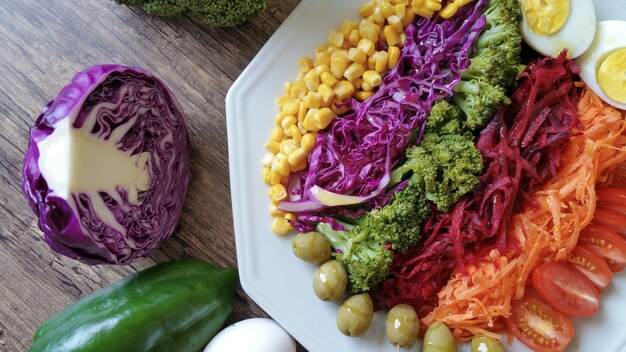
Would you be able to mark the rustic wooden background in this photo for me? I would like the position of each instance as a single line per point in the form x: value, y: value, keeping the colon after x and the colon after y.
x: 42, y: 44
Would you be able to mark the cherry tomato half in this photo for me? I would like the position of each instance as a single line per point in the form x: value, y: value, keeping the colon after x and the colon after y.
x: 607, y: 244
x: 591, y: 265
x: 610, y: 218
x: 566, y: 289
x: 613, y: 198
x: 539, y: 326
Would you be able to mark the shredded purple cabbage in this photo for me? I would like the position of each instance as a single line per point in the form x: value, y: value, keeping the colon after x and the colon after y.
x: 359, y: 149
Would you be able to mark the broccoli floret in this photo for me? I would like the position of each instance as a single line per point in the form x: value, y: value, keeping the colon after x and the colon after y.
x: 399, y: 222
x: 478, y: 100
x: 367, y: 247
x: 445, y: 167
x: 222, y: 13
x: 445, y: 118
x: 367, y: 261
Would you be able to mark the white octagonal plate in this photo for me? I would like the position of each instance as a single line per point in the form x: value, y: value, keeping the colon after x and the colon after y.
x: 273, y: 277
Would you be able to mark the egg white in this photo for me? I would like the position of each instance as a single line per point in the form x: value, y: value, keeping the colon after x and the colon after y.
x: 609, y: 37
x: 576, y: 35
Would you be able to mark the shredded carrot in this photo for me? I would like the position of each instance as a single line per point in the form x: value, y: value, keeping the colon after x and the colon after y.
x: 475, y: 301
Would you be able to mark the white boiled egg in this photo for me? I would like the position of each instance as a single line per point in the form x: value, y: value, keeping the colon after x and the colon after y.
x: 603, y: 65
x: 549, y: 26
x: 252, y: 335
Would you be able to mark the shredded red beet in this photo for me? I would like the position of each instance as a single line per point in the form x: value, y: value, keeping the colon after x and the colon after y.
x: 521, y: 147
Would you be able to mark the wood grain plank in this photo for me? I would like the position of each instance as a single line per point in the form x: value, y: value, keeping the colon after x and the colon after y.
x: 43, y: 44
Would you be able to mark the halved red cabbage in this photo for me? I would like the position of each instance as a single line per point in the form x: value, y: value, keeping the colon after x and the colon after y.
x: 110, y: 123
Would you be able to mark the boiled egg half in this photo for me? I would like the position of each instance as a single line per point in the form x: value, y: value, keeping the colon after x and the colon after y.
x: 603, y: 65
x: 549, y: 26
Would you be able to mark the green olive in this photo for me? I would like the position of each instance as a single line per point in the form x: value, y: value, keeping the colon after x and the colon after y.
x: 312, y: 247
x: 486, y: 344
x: 402, y: 326
x: 355, y: 315
x: 330, y: 280
x: 438, y: 338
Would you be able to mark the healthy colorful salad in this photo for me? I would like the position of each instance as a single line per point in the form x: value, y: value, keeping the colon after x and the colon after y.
x: 460, y: 164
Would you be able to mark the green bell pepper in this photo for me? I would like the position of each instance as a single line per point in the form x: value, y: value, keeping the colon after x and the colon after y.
x: 174, y: 306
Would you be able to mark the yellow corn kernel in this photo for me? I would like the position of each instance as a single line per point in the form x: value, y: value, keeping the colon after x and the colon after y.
x: 272, y: 147
x: 386, y: 9
x: 287, y: 87
x: 396, y: 22
x: 346, y: 28
x: 409, y: 16
x: 366, y: 87
x: 309, y: 120
x: 275, y: 178
x: 277, y: 134
x: 367, y: 46
x: 290, y: 108
x: 278, y: 119
x: 322, y: 58
x: 296, y: 136
x: 298, y: 90
x: 368, y: 30
x: 288, y: 145
x: 377, y: 16
x: 382, y: 61
x: 326, y: 93
x: 337, y: 39
x: 399, y: 10
x: 290, y: 216
x: 282, y: 100
x: 299, y: 76
x: 282, y: 165
x: 339, y: 53
x: 321, y: 69
x: 422, y: 11
x: 297, y: 156
x: 449, y: 10
x: 354, y: 71
x: 299, y: 167
x: 356, y: 83
x: 313, y: 100
x: 302, y: 111
x: 343, y: 90
x: 328, y: 78
x: 372, y: 78
x: 366, y: 9
x: 371, y: 63
x: 308, y: 141
x: 402, y: 40
x: 274, y: 210
x: 362, y: 95
x: 288, y: 121
x: 311, y: 80
x: 338, y: 66
x: 323, y: 118
x: 432, y: 5
x: 267, y: 159
x: 354, y: 37
x: 462, y: 2
x: 337, y: 107
x: 305, y: 64
x: 320, y: 48
x: 301, y: 127
x: 357, y: 55
x: 280, y: 225
x: 267, y: 173
x: 391, y: 36
x: 277, y: 193
x: 394, y: 55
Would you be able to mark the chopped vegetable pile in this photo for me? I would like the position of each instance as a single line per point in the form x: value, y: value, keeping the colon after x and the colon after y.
x: 458, y: 180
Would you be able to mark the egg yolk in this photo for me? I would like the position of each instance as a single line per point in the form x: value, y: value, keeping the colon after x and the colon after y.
x: 545, y: 17
x: 612, y: 76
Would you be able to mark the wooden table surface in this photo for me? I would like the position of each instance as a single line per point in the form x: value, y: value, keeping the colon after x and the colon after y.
x: 42, y: 45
